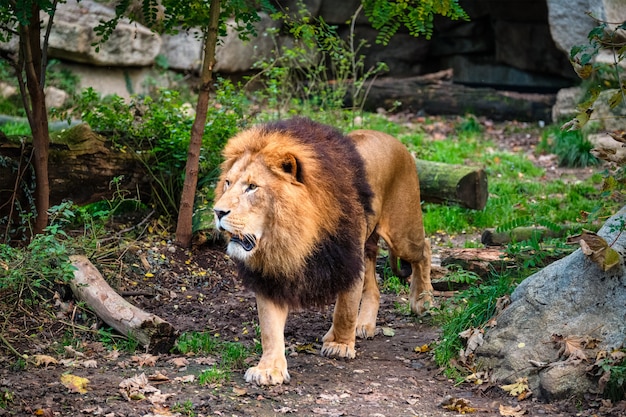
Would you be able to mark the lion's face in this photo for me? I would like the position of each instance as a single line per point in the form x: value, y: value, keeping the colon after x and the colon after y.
x: 241, y: 212
x: 274, y: 201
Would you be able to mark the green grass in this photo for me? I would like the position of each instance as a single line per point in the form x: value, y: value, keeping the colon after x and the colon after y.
x: 15, y: 129
x: 230, y: 355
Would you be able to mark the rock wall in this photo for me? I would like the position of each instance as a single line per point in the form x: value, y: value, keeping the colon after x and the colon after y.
x: 511, y: 44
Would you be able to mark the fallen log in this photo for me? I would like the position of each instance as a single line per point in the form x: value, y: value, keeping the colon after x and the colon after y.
x: 88, y: 285
x: 491, y: 237
x: 459, y: 184
x: 436, y: 94
x: 480, y: 261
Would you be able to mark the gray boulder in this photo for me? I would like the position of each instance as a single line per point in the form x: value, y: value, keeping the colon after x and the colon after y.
x: 72, y: 36
x: 571, y: 297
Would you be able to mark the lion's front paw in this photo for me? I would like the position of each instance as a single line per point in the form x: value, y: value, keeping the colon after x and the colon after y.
x: 338, y: 350
x: 267, y: 376
x: 422, y: 303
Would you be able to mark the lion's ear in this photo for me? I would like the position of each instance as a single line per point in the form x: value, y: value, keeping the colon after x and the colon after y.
x: 289, y: 165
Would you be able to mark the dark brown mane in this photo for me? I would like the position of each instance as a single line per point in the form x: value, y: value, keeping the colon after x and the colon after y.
x: 337, y: 259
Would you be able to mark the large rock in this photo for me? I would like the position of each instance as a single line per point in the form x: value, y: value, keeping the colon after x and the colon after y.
x: 183, y: 50
x: 569, y: 23
x: 235, y: 55
x: 72, y: 36
x: 571, y: 297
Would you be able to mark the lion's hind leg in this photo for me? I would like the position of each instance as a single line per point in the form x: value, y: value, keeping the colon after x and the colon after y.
x: 421, y: 290
x: 370, y: 300
x: 411, y: 246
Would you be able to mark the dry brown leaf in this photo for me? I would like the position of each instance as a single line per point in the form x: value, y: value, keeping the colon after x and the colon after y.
x: 618, y: 135
x: 179, y: 362
x: 597, y: 249
x: 145, y: 359
x: 474, y: 340
x: 519, y: 387
x: 71, y: 352
x: 44, y: 360
x: 460, y: 405
x: 158, y: 377
x: 75, y: 383
x: 516, y: 411
x: 159, y: 397
x: 185, y: 379
x: 206, y: 361
x: 91, y: 363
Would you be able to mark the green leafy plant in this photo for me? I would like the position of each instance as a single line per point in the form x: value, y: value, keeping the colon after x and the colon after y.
x: 320, y: 71
x: 15, y: 128
x: 232, y: 355
x: 214, y: 375
x: 157, y: 130
x: 114, y: 341
x: 197, y: 342
x: 6, y: 399
x: 34, y: 271
x: 185, y: 408
x: 572, y: 148
x: 599, y: 75
x: 471, y: 308
x: 416, y: 15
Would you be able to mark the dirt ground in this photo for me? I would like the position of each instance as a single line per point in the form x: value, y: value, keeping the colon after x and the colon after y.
x: 388, y: 377
x: 197, y: 290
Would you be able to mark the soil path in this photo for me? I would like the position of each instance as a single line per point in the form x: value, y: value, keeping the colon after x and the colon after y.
x: 388, y: 377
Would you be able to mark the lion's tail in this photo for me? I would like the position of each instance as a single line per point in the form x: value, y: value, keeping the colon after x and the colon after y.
x: 402, y: 268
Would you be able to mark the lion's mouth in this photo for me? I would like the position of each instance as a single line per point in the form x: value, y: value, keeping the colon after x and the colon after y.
x: 247, y: 242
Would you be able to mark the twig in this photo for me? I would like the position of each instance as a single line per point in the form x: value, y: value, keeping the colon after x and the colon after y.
x: 10, y: 346
x: 128, y: 229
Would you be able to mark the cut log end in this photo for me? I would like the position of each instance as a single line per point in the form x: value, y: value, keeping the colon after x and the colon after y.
x: 88, y: 285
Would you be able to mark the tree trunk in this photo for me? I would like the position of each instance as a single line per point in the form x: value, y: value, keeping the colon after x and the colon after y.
x: 436, y: 94
x: 150, y: 331
x: 185, y: 213
x: 459, y: 184
x: 31, y: 63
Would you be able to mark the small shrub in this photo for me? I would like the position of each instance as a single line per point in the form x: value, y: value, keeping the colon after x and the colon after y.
x: 571, y: 148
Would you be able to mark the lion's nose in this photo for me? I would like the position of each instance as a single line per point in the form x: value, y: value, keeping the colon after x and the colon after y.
x: 220, y: 213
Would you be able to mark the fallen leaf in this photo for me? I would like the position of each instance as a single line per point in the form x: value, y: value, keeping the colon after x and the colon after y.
x: 422, y: 349
x: 572, y: 347
x: 474, y: 340
x: 91, y: 363
x: 597, y: 249
x: 73, y: 352
x: 185, y: 379
x: 179, y: 362
x: 517, y: 388
x: 205, y: 361
x: 460, y: 405
x: 145, y: 359
x: 75, y: 383
x: 389, y: 332
x: 44, y: 360
x: 159, y: 397
x: 516, y: 411
x: 158, y: 377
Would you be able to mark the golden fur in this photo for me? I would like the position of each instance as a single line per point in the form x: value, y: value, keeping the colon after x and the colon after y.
x: 303, y: 207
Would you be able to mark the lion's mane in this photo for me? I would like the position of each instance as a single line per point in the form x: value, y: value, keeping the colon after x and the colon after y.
x: 312, y: 247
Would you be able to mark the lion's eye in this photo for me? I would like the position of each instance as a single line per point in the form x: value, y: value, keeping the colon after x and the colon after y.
x: 226, y: 184
x: 251, y: 187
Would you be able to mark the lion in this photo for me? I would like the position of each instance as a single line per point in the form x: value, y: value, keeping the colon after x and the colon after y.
x: 302, y: 207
